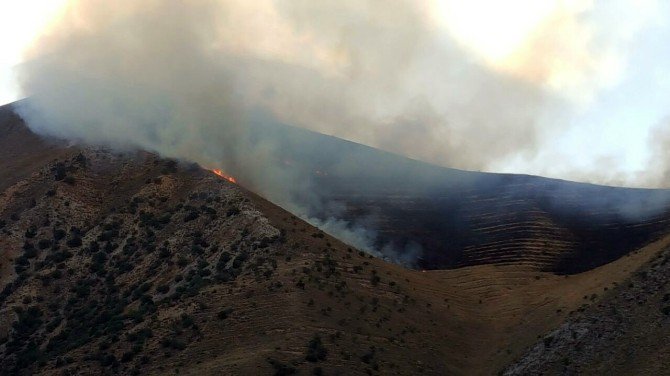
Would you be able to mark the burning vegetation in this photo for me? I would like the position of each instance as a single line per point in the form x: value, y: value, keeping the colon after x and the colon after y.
x: 224, y: 175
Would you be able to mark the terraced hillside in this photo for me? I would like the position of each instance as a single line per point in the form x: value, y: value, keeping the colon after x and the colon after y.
x: 461, y: 218
x: 517, y: 224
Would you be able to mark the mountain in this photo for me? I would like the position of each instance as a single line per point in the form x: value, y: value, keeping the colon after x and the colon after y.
x: 130, y: 263
x: 462, y: 218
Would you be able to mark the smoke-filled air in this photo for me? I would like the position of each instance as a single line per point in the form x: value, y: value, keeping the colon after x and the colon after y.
x: 423, y: 79
x: 204, y: 80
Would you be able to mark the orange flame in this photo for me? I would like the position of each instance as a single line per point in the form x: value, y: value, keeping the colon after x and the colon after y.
x: 223, y: 175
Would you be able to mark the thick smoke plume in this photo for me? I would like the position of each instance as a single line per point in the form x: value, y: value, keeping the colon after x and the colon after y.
x: 183, y: 77
x: 189, y: 79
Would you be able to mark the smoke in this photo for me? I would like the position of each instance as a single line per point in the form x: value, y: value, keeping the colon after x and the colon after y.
x: 182, y: 77
x: 189, y: 79
x: 659, y: 139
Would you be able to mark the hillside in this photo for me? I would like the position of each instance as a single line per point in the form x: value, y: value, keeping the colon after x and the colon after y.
x: 624, y: 334
x: 133, y: 264
x: 463, y: 218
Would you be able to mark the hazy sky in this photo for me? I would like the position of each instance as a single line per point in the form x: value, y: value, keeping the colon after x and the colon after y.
x: 20, y: 23
x: 605, y: 63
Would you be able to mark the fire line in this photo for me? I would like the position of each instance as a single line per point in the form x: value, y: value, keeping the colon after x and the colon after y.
x: 223, y: 175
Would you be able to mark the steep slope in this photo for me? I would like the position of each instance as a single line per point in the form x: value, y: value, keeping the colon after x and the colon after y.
x: 130, y: 263
x: 22, y: 151
x: 625, y: 333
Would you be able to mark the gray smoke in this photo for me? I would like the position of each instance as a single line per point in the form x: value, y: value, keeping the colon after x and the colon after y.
x: 187, y: 79
x: 659, y: 141
x: 183, y: 77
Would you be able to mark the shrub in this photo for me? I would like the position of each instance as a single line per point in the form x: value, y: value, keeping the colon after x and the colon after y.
x: 109, y: 360
x: 163, y: 289
x: 56, y: 274
x: 140, y: 336
x: 44, y: 244
x: 31, y: 232
x: 548, y: 341
x: 74, y: 242
x: 30, y: 252
x: 315, y: 350
x: 223, y: 260
x: 173, y: 343
x: 191, y: 216
x: 182, y: 261
x: 282, y: 369
x: 240, y: 259
x: 186, y: 321
x: 222, y: 315
x: 59, y: 171
x: 368, y: 356
x: 29, y: 321
x: 163, y: 252
x: 59, y: 234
